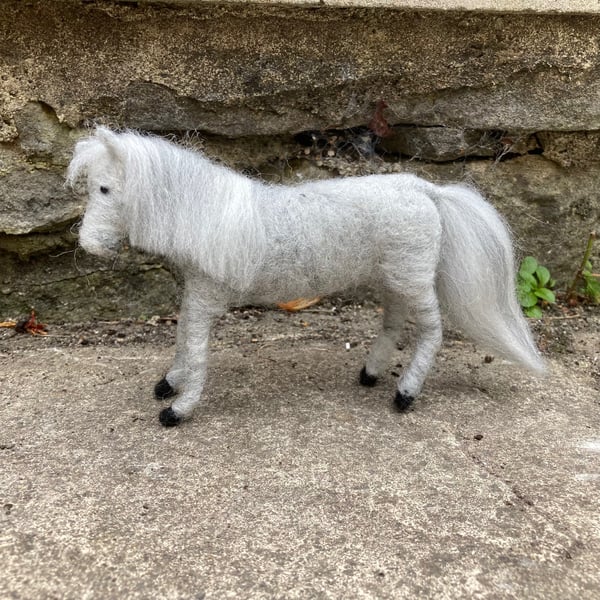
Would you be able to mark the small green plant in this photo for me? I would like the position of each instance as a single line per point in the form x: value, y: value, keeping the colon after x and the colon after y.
x: 533, y: 287
x: 591, y: 283
x: 585, y: 283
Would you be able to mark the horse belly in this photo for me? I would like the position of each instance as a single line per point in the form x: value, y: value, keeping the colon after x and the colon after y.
x: 319, y: 270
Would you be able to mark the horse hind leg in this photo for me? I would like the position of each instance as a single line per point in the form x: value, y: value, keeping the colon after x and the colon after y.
x: 425, y: 309
x: 394, y: 315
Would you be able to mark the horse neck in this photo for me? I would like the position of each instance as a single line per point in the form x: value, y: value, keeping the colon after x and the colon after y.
x: 166, y: 187
x: 202, y: 213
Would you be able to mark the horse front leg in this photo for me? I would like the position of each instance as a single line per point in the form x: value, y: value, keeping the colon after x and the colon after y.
x: 170, y: 384
x: 189, y: 369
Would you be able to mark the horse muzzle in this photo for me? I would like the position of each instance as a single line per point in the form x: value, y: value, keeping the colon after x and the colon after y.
x: 99, y: 245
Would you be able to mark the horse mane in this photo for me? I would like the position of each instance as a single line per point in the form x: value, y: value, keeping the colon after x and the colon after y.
x: 180, y: 205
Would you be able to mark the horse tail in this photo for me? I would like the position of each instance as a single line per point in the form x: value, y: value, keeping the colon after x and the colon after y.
x: 476, y: 276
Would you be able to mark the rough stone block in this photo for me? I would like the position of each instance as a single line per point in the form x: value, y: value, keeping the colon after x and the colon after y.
x: 245, y: 78
x: 571, y: 149
x: 33, y: 198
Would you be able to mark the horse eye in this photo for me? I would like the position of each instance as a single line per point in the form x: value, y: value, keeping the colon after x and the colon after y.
x: 104, y: 189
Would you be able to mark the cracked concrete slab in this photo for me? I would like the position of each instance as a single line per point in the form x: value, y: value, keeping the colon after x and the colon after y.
x: 292, y: 481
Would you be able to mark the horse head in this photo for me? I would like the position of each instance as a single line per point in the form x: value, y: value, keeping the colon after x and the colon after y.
x: 98, y: 160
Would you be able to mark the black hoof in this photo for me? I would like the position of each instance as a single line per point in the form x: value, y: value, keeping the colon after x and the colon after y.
x: 366, y: 379
x: 402, y: 402
x: 163, y: 389
x: 168, y: 418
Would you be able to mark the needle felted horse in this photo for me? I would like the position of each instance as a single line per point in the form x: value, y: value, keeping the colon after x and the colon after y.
x: 237, y: 241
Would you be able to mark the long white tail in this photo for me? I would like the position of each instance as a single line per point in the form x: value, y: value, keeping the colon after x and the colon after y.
x: 476, y: 276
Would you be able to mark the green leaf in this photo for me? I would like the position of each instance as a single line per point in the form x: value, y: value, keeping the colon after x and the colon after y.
x: 588, y: 265
x: 551, y: 283
x: 529, y: 279
x: 528, y: 265
x: 592, y: 289
x: 593, y: 283
x: 534, y: 312
x: 543, y: 275
x: 545, y: 294
x: 527, y: 299
x: 523, y: 289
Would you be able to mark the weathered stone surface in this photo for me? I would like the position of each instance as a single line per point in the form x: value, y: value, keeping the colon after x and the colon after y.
x: 442, y: 144
x: 550, y: 209
x: 571, y: 149
x: 41, y: 135
x: 437, y: 143
x: 244, y: 78
x: 32, y: 193
x: 248, y: 69
x: 69, y: 286
x: 33, y: 198
x: 525, y: 6
x: 35, y: 244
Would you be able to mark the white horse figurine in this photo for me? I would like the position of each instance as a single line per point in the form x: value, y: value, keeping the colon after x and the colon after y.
x: 239, y: 241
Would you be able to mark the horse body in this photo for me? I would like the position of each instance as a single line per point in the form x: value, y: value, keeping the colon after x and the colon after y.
x: 354, y: 244
x: 240, y: 241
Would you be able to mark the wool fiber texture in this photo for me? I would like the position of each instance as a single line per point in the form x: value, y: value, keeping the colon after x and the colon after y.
x: 421, y: 247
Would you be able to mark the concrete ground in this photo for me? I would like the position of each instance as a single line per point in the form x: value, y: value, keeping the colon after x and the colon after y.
x: 292, y: 481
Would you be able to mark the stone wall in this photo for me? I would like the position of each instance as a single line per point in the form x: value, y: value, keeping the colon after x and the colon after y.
x: 507, y: 101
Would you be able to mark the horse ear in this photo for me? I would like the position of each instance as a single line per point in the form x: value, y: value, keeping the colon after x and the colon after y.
x: 110, y: 140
